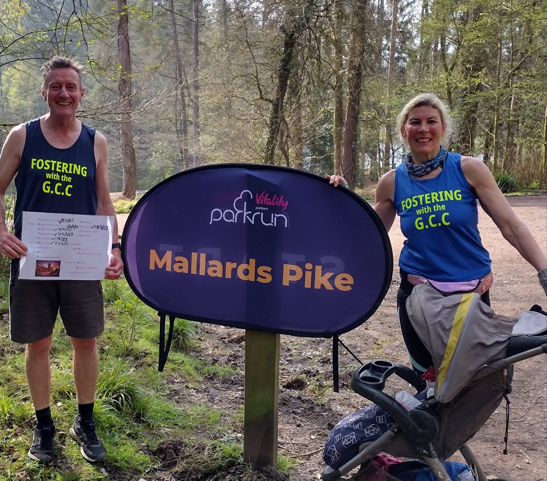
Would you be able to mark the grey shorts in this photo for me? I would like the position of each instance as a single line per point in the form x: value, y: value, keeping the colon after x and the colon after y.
x: 34, y: 306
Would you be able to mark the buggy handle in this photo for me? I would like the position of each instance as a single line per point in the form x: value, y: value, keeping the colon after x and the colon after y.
x: 369, y: 381
x: 503, y: 363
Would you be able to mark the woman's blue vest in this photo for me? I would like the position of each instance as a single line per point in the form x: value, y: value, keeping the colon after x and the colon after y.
x: 439, y: 219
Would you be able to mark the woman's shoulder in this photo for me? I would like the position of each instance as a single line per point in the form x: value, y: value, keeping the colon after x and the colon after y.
x: 386, y: 185
x: 388, y: 178
x: 476, y: 172
x: 472, y: 164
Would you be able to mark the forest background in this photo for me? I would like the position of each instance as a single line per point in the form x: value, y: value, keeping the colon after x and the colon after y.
x: 309, y: 84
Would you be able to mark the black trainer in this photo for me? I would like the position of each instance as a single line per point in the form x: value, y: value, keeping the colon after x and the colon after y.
x: 42, y: 444
x: 91, y: 446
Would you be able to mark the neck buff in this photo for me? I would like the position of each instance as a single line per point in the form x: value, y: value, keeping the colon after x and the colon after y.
x: 427, y: 167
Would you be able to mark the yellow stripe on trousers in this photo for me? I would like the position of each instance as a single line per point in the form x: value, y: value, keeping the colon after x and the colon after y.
x: 452, y: 343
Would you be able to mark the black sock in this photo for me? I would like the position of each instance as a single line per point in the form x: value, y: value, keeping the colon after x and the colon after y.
x: 44, y: 417
x: 86, y: 412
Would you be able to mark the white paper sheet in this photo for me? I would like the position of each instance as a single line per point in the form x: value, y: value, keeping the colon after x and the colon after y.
x: 65, y: 246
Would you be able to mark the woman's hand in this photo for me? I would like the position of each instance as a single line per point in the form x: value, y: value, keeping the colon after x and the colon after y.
x: 337, y: 179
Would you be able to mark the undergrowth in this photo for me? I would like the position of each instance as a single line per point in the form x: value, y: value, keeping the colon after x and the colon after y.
x: 134, y: 411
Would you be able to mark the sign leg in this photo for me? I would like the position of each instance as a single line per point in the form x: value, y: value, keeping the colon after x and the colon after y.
x: 261, y: 398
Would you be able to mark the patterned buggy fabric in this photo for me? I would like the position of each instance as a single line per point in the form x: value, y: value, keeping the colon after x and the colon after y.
x: 363, y: 426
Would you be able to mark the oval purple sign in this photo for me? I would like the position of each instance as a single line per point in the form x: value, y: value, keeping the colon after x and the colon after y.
x: 258, y: 247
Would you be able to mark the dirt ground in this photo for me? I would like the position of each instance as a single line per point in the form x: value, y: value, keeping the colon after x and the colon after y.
x: 308, y: 408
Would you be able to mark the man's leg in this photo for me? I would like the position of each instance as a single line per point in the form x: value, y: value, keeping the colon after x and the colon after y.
x: 38, y: 372
x: 86, y: 371
x: 85, y: 368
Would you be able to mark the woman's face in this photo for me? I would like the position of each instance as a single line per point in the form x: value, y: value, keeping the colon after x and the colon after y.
x: 423, y: 131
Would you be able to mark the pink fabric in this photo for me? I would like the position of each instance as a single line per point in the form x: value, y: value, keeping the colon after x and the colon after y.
x: 480, y: 286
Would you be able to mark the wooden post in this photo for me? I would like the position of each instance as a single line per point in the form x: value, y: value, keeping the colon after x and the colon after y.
x: 261, y: 398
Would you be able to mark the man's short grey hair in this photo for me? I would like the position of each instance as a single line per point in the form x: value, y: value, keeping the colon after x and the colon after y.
x: 62, y: 62
x: 426, y: 100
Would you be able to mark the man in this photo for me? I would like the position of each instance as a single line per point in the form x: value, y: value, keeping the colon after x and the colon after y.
x: 59, y: 137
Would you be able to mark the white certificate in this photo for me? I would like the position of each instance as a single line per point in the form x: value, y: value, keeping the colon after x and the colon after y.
x: 65, y: 246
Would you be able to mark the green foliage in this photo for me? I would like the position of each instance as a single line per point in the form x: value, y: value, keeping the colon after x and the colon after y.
x: 114, y: 290
x: 319, y: 155
x: 129, y: 316
x: 183, y: 335
x: 114, y: 386
x: 285, y: 464
x: 4, y: 295
x: 506, y: 182
x: 12, y: 410
x: 159, y: 166
x: 535, y: 185
x: 4, y: 260
x: 21, y: 92
x: 124, y: 206
x: 5, y: 263
x: 221, y: 372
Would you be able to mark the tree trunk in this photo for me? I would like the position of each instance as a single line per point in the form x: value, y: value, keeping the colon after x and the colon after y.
x: 227, y: 53
x: 392, y: 47
x: 355, y: 77
x: 129, y: 163
x: 509, y: 162
x: 425, y: 43
x: 196, y: 151
x: 544, y: 150
x: 374, y: 173
x: 495, y: 134
x: 338, y: 97
x: 296, y: 139
x: 183, y: 136
x: 292, y: 28
x: 390, y: 82
x: 495, y: 130
x: 473, y: 55
x: 487, y: 148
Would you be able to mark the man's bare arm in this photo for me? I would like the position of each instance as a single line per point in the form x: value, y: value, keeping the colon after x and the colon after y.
x: 10, y: 159
x: 105, y: 205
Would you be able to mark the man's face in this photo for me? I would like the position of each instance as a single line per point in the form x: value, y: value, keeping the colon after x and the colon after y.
x: 63, y: 91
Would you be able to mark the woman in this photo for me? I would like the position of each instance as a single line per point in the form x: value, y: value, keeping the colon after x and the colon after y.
x: 435, y: 193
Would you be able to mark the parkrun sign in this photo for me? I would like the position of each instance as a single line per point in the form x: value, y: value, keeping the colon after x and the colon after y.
x: 258, y: 247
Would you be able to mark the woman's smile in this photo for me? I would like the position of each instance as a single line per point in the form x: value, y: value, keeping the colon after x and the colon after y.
x: 423, y: 131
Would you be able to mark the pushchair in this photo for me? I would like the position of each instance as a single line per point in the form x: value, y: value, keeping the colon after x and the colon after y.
x: 432, y: 431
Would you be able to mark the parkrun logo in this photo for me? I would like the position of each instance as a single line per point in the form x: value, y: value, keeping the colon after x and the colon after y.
x: 257, y: 212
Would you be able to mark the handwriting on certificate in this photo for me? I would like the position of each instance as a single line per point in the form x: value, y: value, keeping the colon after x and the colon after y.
x: 65, y: 246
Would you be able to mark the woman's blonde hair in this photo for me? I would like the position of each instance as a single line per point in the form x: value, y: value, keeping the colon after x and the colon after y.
x: 426, y: 100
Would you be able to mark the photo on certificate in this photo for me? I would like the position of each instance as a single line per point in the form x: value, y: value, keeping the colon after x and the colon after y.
x: 47, y: 268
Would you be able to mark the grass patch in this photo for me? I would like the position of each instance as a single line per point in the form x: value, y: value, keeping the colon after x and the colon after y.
x: 215, y: 461
x: 133, y: 409
x: 4, y: 294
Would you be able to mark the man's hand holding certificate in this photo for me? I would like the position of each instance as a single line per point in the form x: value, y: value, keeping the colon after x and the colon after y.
x: 65, y: 246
